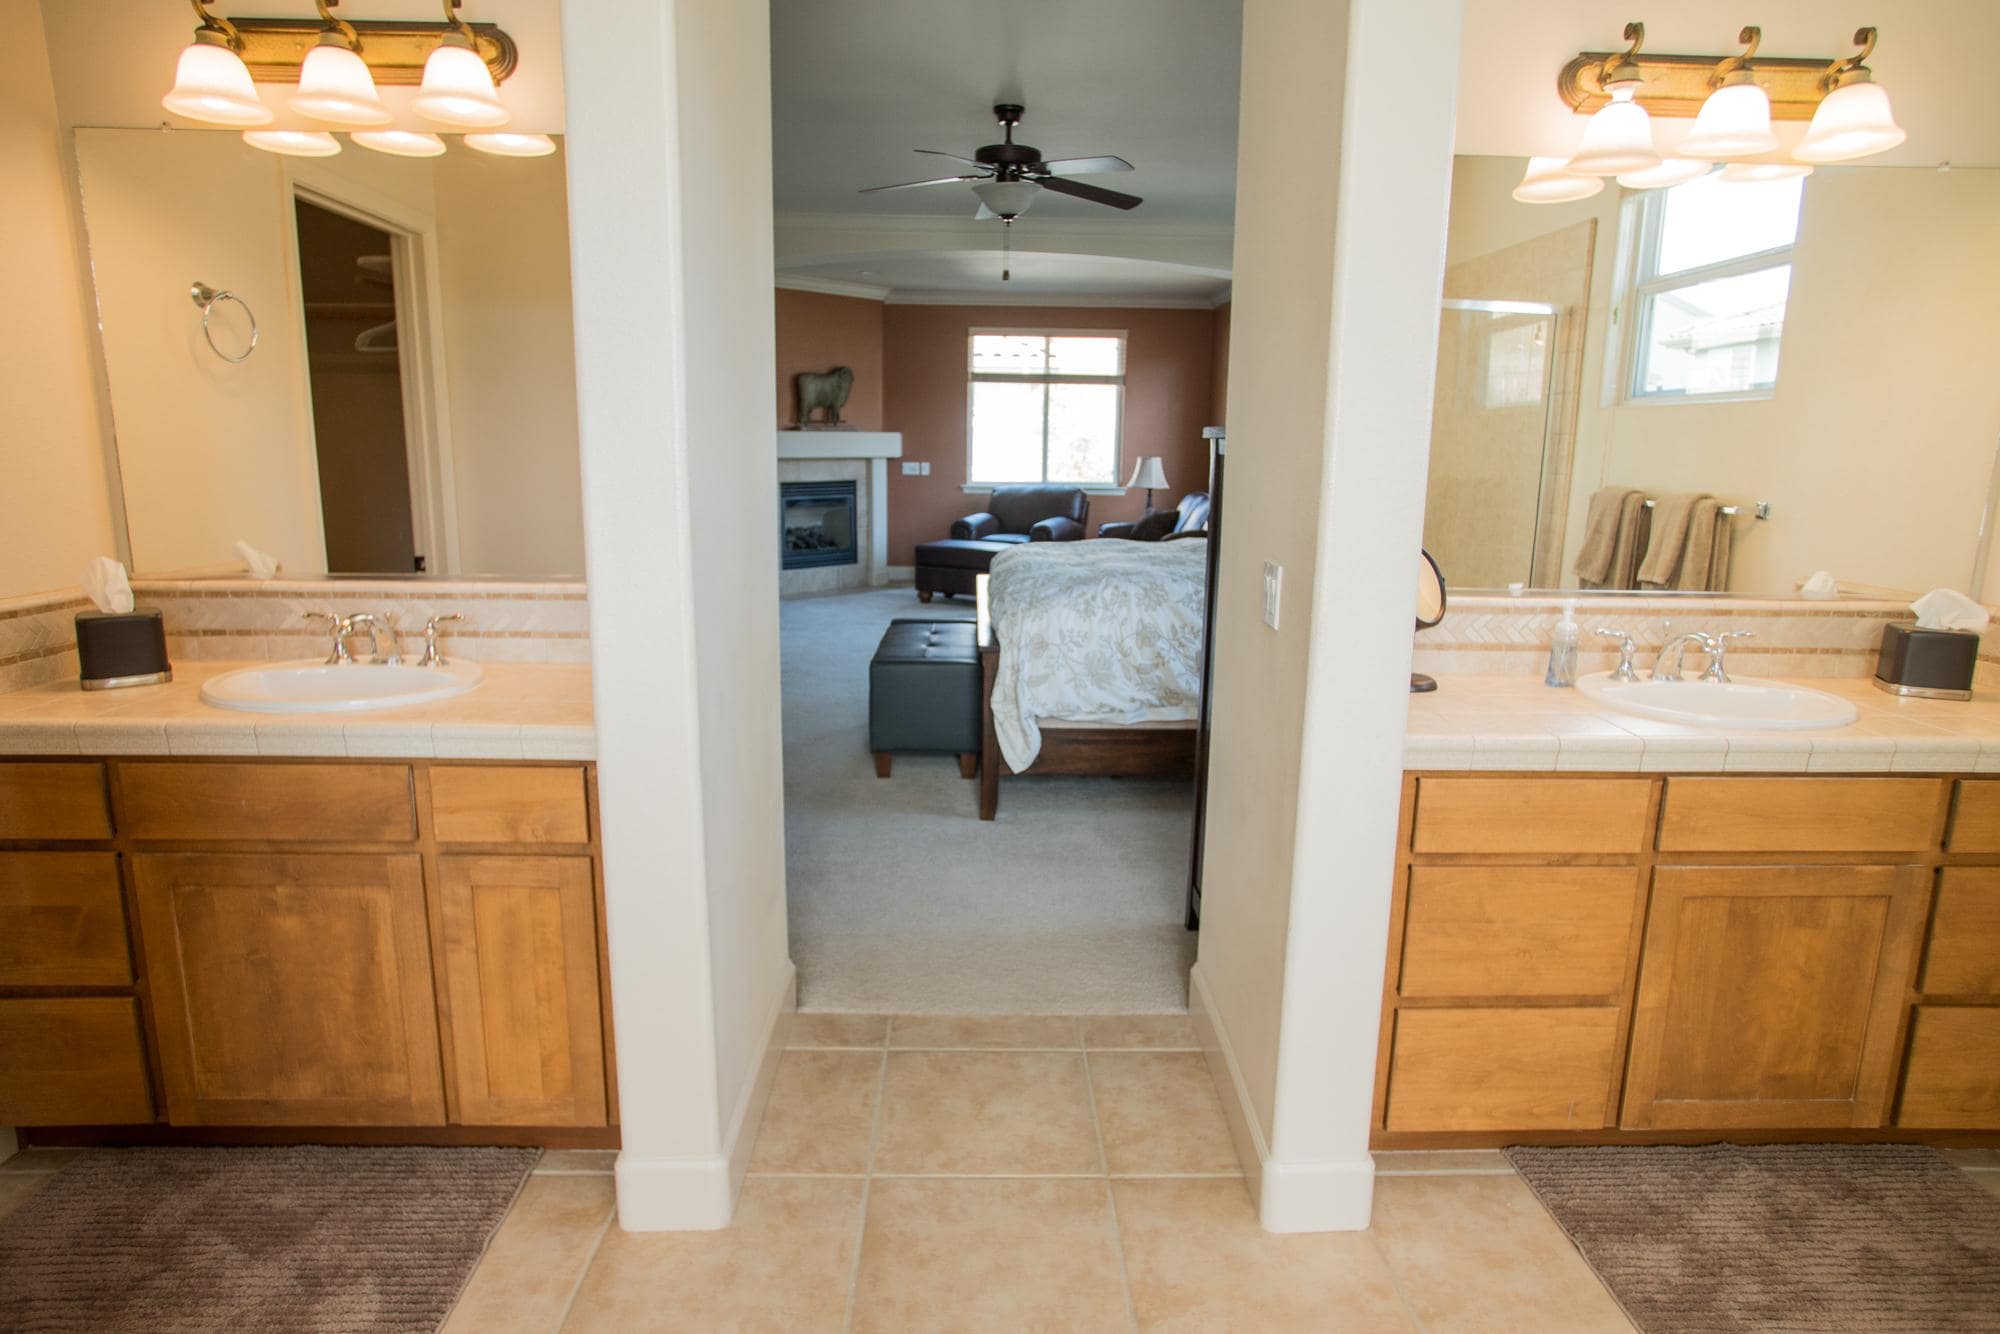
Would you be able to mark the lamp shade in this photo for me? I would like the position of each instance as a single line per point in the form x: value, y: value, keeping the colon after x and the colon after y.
x: 505, y: 144
x: 1009, y: 199
x: 1549, y: 181
x: 336, y: 87
x: 1149, y: 474
x: 211, y: 83
x: 1852, y: 121
x: 1735, y: 121
x: 1618, y: 138
x: 1671, y: 171
x: 458, y: 90
x: 293, y: 143
x: 400, y: 143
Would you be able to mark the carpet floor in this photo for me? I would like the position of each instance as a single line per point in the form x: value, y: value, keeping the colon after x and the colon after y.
x: 1781, y: 1237
x: 903, y: 901
x: 311, y: 1239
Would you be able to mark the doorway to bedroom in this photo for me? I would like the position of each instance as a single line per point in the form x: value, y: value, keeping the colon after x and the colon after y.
x: 1004, y: 352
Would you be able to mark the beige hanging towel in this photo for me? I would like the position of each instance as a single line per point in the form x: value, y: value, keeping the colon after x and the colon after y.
x: 1668, y: 547
x: 1614, y: 533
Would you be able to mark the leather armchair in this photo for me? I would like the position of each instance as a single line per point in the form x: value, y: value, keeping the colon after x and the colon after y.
x: 1056, y: 530
x: 1018, y: 513
x: 1190, y: 517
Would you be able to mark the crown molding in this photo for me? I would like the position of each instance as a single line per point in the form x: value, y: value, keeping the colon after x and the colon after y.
x: 802, y: 282
x: 1052, y: 300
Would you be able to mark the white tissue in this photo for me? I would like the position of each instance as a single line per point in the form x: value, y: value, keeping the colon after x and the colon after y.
x: 260, y: 564
x: 1942, y: 609
x: 104, y: 580
x: 1820, y: 587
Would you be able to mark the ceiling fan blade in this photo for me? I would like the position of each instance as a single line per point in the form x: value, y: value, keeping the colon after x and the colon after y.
x: 984, y: 213
x: 1095, y: 194
x: 1079, y: 166
x: 911, y: 185
x: 970, y: 162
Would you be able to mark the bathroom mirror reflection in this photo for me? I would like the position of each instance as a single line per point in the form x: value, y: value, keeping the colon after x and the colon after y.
x: 409, y: 406
x: 1824, y: 347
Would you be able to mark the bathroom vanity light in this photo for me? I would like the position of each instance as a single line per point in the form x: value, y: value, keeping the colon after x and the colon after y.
x: 1619, y: 136
x: 334, y: 83
x: 1776, y: 170
x: 1854, y: 118
x: 507, y: 144
x: 211, y: 82
x: 458, y: 88
x: 1735, y: 120
x: 1671, y: 171
x: 293, y: 143
x: 1549, y: 181
x: 400, y: 143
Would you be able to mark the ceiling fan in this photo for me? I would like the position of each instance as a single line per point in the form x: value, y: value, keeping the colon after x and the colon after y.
x: 1009, y: 176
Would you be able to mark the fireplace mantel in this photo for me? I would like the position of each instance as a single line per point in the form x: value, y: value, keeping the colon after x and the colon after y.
x: 875, y: 448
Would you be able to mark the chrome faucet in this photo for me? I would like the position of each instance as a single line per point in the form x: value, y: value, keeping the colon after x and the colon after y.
x: 1715, y: 654
x: 381, y: 631
x: 1627, y: 646
x: 432, y: 658
x: 1667, y: 666
x: 341, y: 627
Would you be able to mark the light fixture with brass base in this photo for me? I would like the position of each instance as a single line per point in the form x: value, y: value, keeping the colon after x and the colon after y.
x: 274, y: 50
x: 1677, y: 85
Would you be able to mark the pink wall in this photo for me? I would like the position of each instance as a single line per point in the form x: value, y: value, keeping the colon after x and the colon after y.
x: 818, y: 332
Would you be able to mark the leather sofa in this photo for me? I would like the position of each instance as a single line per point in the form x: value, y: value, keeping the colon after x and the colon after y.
x: 1013, y: 514
x: 1190, y: 517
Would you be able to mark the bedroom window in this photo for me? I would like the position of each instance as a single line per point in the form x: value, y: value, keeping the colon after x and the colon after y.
x: 1714, y: 268
x: 1045, y: 407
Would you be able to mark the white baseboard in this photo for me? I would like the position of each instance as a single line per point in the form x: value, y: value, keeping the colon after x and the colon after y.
x: 1318, y: 1196
x: 896, y: 574
x: 698, y: 1194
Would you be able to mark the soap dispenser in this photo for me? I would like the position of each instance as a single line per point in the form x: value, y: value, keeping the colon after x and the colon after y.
x: 1562, y: 648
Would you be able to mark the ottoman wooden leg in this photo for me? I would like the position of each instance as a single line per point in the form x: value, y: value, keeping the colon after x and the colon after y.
x: 968, y: 766
x: 923, y: 595
x: 882, y: 762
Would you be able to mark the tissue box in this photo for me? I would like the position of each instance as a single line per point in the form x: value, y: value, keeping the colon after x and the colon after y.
x: 121, y: 648
x: 1933, y: 664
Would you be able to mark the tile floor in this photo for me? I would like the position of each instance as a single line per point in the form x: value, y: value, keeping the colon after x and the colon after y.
x: 1018, y: 1174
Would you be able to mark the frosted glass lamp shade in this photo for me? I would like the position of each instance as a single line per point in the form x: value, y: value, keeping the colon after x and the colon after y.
x: 1671, y: 171
x: 1009, y: 199
x: 1548, y: 181
x: 1618, y: 138
x: 1852, y: 121
x: 400, y: 143
x: 293, y: 143
x: 505, y: 144
x: 1764, y: 171
x: 1735, y: 121
x: 458, y: 90
x: 1149, y: 474
x: 336, y: 87
x: 212, y: 84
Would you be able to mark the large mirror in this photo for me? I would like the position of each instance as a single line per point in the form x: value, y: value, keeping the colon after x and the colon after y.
x: 1816, y: 355
x: 409, y: 404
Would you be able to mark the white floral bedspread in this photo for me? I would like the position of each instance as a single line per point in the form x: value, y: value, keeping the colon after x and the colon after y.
x: 1104, y: 631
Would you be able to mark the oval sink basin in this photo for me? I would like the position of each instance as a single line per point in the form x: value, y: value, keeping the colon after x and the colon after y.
x: 1745, y: 702
x: 318, y: 687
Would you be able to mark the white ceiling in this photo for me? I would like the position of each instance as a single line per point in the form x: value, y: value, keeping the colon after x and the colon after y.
x: 951, y: 276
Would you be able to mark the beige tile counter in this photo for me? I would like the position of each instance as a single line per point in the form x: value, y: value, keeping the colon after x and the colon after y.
x: 520, y: 711
x: 1516, y: 722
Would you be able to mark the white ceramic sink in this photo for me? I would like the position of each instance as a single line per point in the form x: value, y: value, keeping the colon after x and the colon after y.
x: 318, y: 687
x: 1743, y: 702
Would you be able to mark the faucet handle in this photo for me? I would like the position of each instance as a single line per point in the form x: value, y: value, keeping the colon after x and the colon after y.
x: 1718, y: 647
x: 432, y: 658
x: 1627, y: 646
x: 340, y: 627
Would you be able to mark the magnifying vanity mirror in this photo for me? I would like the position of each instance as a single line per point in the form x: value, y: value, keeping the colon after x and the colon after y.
x: 1430, y: 610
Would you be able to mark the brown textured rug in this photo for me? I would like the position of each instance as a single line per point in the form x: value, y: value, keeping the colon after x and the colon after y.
x: 328, y: 1240
x: 1791, y: 1237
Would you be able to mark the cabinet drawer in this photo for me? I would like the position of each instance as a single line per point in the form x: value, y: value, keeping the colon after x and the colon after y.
x: 1963, y: 957
x: 1525, y: 1069
x: 1485, y: 931
x: 362, y: 803
x: 508, y: 804
x: 53, y: 801
x: 1799, y: 814
x: 76, y: 1060
x: 62, y: 921
x: 1531, y: 815
x: 1975, y: 817
x: 1952, y: 1081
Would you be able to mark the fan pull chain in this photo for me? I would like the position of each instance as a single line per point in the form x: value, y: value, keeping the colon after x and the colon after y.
x: 1006, y: 249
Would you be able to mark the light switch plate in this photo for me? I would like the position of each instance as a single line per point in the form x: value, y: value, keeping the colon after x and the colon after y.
x: 1274, y: 586
x: 926, y: 467
x: 911, y: 468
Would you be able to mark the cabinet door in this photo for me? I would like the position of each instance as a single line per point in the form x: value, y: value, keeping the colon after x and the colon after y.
x: 291, y: 990
x: 519, y: 953
x: 1769, y: 996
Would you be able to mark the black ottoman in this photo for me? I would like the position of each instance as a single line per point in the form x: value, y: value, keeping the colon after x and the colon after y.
x: 923, y: 693
x: 954, y: 564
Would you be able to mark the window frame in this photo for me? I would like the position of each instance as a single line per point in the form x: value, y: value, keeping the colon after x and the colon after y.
x: 1112, y: 487
x: 1641, y: 282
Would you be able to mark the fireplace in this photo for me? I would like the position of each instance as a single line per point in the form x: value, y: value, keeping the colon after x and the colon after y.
x: 816, y: 524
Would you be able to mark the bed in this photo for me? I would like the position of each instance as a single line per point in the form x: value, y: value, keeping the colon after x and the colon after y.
x: 1091, y: 660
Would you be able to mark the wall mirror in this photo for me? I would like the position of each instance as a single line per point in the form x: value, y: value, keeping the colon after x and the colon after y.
x: 409, y: 406
x: 1824, y: 347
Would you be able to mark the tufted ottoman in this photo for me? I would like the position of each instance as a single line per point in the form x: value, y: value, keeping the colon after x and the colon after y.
x: 923, y: 693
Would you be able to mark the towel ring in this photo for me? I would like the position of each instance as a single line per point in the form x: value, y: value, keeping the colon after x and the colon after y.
x: 208, y: 298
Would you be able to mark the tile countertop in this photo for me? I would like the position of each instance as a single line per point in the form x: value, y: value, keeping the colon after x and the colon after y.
x: 520, y: 711
x: 1516, y: 722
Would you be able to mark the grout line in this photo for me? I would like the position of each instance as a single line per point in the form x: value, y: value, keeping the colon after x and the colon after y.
x: 583, y: 1270
x: 867, y: 1188
x: 1446, y: 1172
x: 1395, y: 1279
x: 1110, y: 1200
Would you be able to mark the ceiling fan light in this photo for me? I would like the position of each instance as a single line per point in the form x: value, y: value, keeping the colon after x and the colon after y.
x: 1009, y: 199
x: 211, y: 83
x: 1549, y: 181
x: 293, y: 143
x: 336, y: 87
x: 505, y: 144
x: 400, y: 143
x: 458, y: 89
x: 1671, y: 171
x: 1852, y: 121
x: 1734, y: 121
x: 1618, y: 138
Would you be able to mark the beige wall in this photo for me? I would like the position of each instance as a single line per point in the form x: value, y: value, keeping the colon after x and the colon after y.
x: 55, y: 502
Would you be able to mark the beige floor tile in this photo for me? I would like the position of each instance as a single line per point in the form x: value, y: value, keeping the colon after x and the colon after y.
x: 38, y: 1160
x: 989, y: 1255
x: 1479, y: 1253
x: 821, y: 1113
x: 578, y: 1160
x: 1990, y: 1180
x: 525, y: 1279
x: 837, y: 1030
x: 1972, y: 1157
x: 1160, y: 1113
x: 986, y: 1112
x: 1442, y: 1162
x: 17, y: 1187
x: 782, y: 1265
x: 983, y: 1031
x: 1173, y: 1032
x: 1198, y: 1260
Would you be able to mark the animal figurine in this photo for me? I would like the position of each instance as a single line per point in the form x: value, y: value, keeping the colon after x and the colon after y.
x: 823, y: 389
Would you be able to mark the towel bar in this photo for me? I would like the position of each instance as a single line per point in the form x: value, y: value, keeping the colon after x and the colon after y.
x: 1731, y: 510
